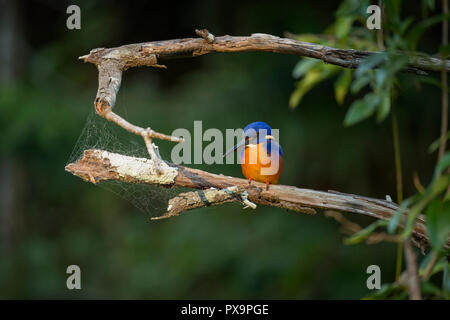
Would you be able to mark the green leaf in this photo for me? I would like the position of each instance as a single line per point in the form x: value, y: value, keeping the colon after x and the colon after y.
x: 432, y: 81
x: 387, y: 290
x: 392, y: 8
x: 438, y: 223
x: 435, y: 145
x: 303, y: 86
x: 414, y: 35
x: 445, y: 51
x: 312, y: 77
x: 303, y: 66
x: 437, y: 187
x: 404, y: 25
x: 395, y: 220
x: 352, y: 8
x: 308, y: 37
x: 370, y: 62
x: 360, y: 82
x: 365, y: 233
x: 445, y: 280
x: 385, y: 106
x: 438, y: 267
x: 442, y: 165
x: 429, y: 4
x: 430, y: 288
x: 342, y: 84
x: 394, y: 64
x: 361, y: 109
x: 343, y: 26
x: 380, y: 77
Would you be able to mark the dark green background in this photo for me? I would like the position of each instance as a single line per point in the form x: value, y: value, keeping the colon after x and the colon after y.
x: 50, y: 219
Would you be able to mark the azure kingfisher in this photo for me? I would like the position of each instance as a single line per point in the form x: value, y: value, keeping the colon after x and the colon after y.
x: 262, y: 157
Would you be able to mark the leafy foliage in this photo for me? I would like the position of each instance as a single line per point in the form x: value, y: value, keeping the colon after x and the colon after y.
x: 378, y: 75
x: 374, y: 85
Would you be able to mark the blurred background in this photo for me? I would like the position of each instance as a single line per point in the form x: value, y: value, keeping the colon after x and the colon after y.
x: 50, y: 219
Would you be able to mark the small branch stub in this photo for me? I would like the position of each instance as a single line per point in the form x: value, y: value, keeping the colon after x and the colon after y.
x: 205, y: 34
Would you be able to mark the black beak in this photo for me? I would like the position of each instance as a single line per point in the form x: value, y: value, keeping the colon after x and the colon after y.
x: 240, y: 144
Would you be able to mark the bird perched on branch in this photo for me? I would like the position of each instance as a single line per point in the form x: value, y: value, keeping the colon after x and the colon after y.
x: 261, y: 157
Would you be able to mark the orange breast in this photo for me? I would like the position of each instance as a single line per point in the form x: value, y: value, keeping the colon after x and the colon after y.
x: 258, y: 165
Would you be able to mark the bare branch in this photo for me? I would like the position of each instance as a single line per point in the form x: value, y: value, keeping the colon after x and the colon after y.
x: 109, y: 79
x: 98, y: 165
x: 112, y: 62
x: 412, y: 270
x: 205, y: 198
x: 148, y: 53
x: 430, y: 265
x: 350, y: 228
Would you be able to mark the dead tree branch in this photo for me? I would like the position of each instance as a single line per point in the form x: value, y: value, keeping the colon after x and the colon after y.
x: 350, y: 228
x: 99, y: 165
x: 149, y: 53
x: 205, y: 198
x: 112, y: 62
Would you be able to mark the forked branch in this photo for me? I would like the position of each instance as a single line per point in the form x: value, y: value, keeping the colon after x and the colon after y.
x: 100, y: 165
x: 112, y: 62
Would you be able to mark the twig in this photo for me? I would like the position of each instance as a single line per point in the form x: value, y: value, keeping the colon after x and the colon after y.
x: 429, y: 268
x: 416, y: 181
x: 204, y: 198
x: 347, y: 226
x: 350, y: 228
x: 397, y: 158
x: 247, y: 203
x: 413, y: 274
x: 102, y: 165
x: 112, y: 62
x: 445, y: 281
x: 109, y: 79
x: 148, y: 53
x: 398, y: 183
x: 444, y: 116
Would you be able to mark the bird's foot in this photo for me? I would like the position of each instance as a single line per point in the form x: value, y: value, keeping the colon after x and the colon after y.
x: 250, y: 181
x: 267, y: 185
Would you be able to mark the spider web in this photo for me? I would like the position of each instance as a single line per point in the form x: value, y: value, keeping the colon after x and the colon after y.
x: 99, y: 133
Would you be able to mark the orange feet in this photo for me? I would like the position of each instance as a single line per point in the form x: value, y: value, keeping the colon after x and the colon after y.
x: 267, y: 185
x: 250, y: 180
